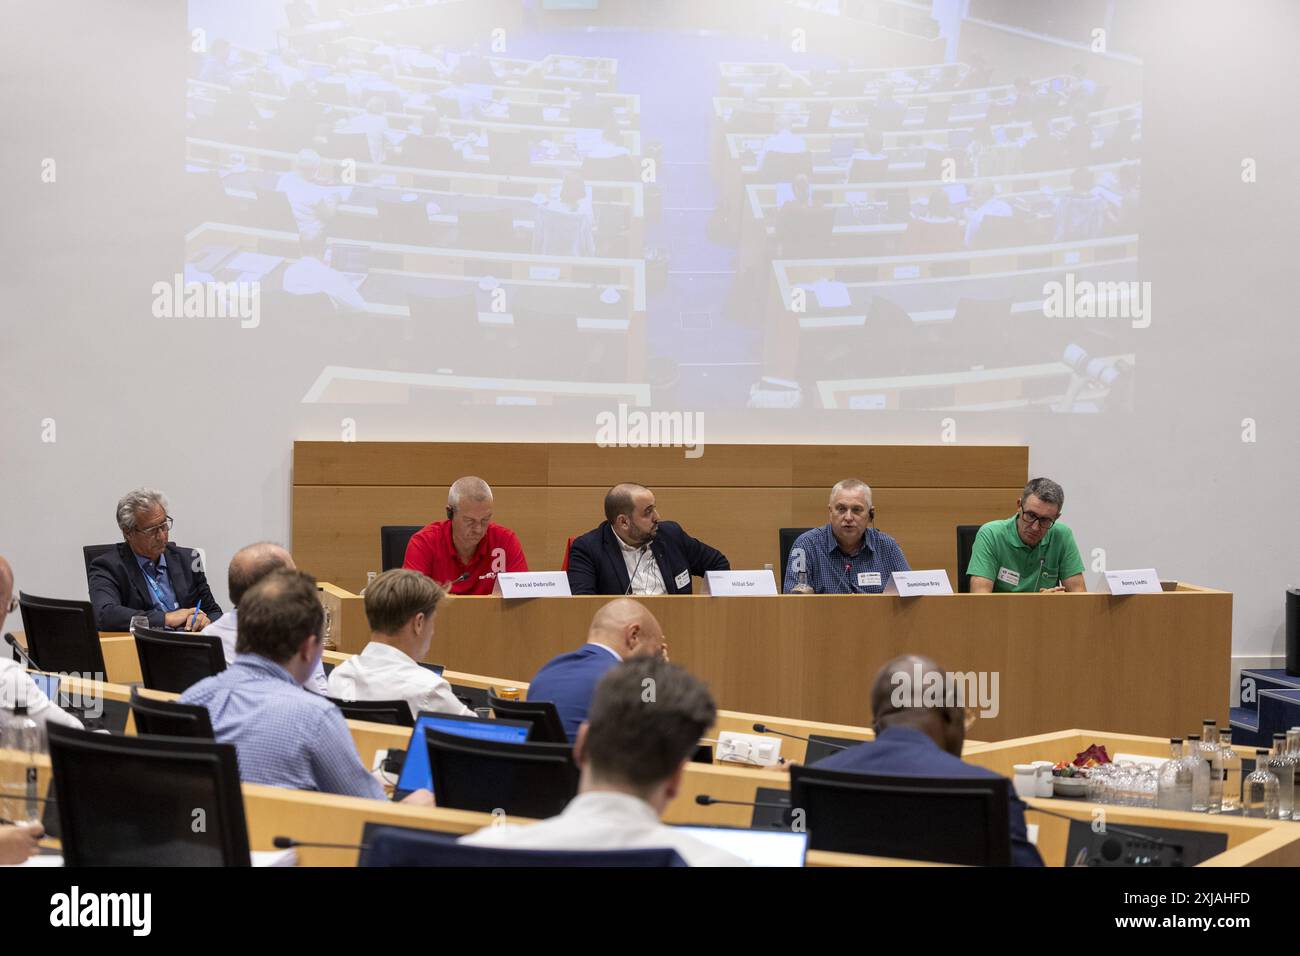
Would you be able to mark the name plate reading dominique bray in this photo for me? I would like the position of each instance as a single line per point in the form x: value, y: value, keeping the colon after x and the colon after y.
x: 1136, y: 581
x: 532, y: 584
x: 916, y: 583
x: 733, y: 583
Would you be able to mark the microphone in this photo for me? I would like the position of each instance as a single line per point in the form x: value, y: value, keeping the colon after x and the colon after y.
x: 463, y: 577
x: 705, y: 800
x: 764, y: 729
x: 13, y: 642
x: 289, y: 843
x: 632, y: 577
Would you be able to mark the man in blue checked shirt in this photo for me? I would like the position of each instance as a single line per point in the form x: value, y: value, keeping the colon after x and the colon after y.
x: 847, y: 555
x: 284, y: 735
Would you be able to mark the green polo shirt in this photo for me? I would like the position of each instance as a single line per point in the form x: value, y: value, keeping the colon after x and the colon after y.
x: 1012, y: 565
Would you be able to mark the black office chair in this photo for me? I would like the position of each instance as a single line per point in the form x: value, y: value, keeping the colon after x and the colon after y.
x: 393, y: 539
x: 90, y: 552
x: 786, y: 538
x: 136, y: 801
x: 965, y: 545
x: 547, y: 728
x: 522, y: 779
x: 377, y: 711
x: 405, y: 846
x: 167, y: 718
x: 174, y: 661
x: 62, y: 636
x: 959, y: 820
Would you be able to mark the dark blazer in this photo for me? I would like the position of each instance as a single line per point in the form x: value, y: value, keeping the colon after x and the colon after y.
x: 569, y: 681
x: 119, y: 592
x: 596, y: 563
x: 904, y: 752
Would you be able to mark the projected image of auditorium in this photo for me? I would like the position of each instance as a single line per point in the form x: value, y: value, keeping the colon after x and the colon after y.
x: 830, y: 206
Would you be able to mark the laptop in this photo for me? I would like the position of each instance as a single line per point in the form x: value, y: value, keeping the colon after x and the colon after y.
x: 416, y: 774
x: 755, y: 847
x: 110, y: 715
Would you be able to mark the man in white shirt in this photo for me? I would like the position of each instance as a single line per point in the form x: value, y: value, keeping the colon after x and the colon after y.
x: 784, y: 140
x: 247, y: 567
x: 632, y: 754
x: 16, y: 686
x: 311, y: 202
x: 400, y: 608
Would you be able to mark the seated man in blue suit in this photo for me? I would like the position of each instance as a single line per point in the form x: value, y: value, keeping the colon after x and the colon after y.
x: 918, y: 740
x: 633, y: 552
x: 146, y: 574
x: 621, y: 630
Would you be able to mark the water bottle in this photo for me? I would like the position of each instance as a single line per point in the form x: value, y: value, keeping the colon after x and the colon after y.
x: 1284, y: 769
x: 1200, y: 774
x: 24, y: 738
x: 1230, y: 760
x: 1259, y: 791
x: 1174, y: 783
x: 1214, y: 760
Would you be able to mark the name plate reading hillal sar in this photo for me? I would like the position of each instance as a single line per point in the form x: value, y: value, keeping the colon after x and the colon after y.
x: 1137, y: 581
x: 914, y: 583
x: 532, y: 584
x: 732, y: 583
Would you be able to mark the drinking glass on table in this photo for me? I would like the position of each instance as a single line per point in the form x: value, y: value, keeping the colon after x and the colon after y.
x: 139, y: 620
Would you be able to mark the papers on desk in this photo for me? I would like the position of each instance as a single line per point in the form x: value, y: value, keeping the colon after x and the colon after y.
x: 830, y: 293
x: 275, y: 857
x: 253, y: 265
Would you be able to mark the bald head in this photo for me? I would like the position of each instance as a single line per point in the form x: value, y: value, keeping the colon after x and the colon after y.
x: 6, y: 589
x: 897, y: 700
x: 251, y: 564
x: 628, y: 628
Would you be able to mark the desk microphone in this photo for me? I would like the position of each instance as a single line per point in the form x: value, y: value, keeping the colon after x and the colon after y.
x: 289, y: 843
x: 764, y: 729
x: 463, y: 577
x: 705, y: 800
x: 18, y: 648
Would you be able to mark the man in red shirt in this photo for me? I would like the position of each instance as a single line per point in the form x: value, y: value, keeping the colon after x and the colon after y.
x: 466, y: 552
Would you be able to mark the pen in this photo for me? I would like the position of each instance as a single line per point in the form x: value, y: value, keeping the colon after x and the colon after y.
x: 194, y: 619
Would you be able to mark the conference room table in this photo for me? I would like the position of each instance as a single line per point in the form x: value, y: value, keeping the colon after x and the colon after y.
x: 1155, y: 664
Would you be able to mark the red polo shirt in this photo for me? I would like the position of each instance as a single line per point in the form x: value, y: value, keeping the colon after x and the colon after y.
x: 432, y: 552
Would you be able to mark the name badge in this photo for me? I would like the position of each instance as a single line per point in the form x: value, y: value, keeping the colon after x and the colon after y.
x: 531, y: 584
x: 1007, y: 576
x: 868, y: 579
x: 917, y: 583
x: 732, y: 583
x: 683, y: 579
x: 1139, y: 581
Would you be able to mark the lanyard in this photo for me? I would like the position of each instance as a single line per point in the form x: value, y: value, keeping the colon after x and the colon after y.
x: 158, y: 597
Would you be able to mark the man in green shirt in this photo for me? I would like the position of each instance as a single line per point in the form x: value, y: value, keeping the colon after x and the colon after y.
x: 1030, y: 551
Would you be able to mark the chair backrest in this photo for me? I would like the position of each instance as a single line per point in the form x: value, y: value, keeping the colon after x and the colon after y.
x: 785, y: 541
x: 378, y: 711
x: 130, y: 801
x: 542, y: 714
x: 522, y: 779
x: 404, y: 846
x: 393, y: 539
x: 942, y: 820
x: 90, y: 552
x: 173, y: 661
x: 167, y: 718
x: 568, y: 546
x: 965, y: 545
x: 62, y: 635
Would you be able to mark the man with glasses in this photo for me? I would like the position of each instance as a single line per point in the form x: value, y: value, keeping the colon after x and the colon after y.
x: 1030, y: 552
x: 147, y: 574
x: 846, y: 555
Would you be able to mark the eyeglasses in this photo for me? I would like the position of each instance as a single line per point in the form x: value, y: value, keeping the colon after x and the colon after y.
x: 158, y: 529
x: 1033, y: 519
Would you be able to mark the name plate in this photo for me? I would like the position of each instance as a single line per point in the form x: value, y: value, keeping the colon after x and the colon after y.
x: 732, y: 583
x: 915, y: 583
x: 532, y: 584
x: 1138, y: 581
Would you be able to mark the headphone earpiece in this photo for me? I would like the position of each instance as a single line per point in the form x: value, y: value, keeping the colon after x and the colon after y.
x: 871, y: 514
x: 450, y: 513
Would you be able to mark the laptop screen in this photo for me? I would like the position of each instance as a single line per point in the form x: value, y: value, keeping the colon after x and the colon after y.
x: 755, y: 847
x: 415, y: 771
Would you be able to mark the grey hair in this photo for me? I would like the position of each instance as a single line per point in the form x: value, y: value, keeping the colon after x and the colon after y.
x: 141, y: 499
x: 475, y: 489
x: 1046, y: 490
x: 851, y: 484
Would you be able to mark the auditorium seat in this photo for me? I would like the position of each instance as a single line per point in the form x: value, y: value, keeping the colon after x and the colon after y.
x: 522, y: 779
x: 542, y: 714
x: 396, y: 712
x: 173, y: 661
x: 393, y: 539
x: 406, y: 846
x: 62, y: 636
x: 965, y: 545
x: 167, y: 718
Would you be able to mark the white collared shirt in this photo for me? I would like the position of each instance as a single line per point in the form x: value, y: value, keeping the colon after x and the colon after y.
x: 647, y: 579
x: 17, y: 687
x: 603, y: 820
x: 618, y: 657
x: 226, y: 628
x: 383, y: 672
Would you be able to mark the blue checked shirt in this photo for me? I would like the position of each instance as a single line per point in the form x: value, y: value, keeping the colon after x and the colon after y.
x: 284, y: 735
x: 831, y: 571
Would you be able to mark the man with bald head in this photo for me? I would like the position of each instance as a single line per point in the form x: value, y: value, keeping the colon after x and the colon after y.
x: 633, y: 552
x: 621, y: 630
x: 466, y: 552
x: 916, y: 737
x: 247, y: 567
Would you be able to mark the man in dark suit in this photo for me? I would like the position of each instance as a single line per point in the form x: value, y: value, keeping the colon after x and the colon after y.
x: 147, y: 574
x: 917, y: 738
x: 620, y: 631
x: 633, y: 552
